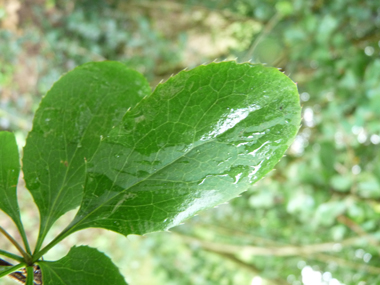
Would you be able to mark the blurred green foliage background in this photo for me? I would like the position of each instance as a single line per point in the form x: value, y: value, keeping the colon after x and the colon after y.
x: 315, y: 219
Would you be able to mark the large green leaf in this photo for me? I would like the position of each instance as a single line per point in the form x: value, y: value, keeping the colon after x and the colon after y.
x: 199, y: 140
x: 75, y: 114
x: 9, y: 172
x: 81, y: 266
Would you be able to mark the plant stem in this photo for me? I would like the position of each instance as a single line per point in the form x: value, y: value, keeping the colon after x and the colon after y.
x: 66, y: 232
x: 12, y: 269
x: 58, y: 238
x: 26, y: 255
x: 30, y: 275
x: 11, y: 255
x: 24, y: 238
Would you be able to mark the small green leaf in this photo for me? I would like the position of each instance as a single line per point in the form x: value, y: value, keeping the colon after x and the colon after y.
x: 9, y: 172
x: 81, y: 266
x: 80, y: 109
x: 199, y: 140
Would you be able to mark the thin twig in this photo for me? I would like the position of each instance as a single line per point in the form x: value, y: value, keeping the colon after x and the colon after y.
x: 308, y: 251
x: 358, y: 230
x: 267, y: 29
x: 288, y: 250
x: 250, y: 267
x: 344, y: 263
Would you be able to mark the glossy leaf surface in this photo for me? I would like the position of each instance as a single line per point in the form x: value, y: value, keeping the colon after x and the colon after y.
x: 81, y: 266
x: 9, y: 172
x: 199, y: 140
x: 68, y: 126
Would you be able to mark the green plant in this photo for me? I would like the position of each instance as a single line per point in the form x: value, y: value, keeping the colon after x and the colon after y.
x: 136, y: 162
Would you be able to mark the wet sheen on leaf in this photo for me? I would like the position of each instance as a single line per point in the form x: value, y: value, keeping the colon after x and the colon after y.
x: 198, y: 140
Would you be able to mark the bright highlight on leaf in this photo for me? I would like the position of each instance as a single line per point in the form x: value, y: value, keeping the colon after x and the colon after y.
x: 198, y: 140
x: 138, y: 162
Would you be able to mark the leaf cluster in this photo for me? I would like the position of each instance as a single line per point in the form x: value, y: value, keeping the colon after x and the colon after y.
x: 137, y: 162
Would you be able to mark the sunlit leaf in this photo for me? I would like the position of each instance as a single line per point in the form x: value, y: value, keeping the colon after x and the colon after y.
x: 199, y: 140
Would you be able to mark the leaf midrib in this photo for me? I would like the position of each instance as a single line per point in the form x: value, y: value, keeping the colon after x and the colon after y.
x: 64, y: 181
x: 78, y: 223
